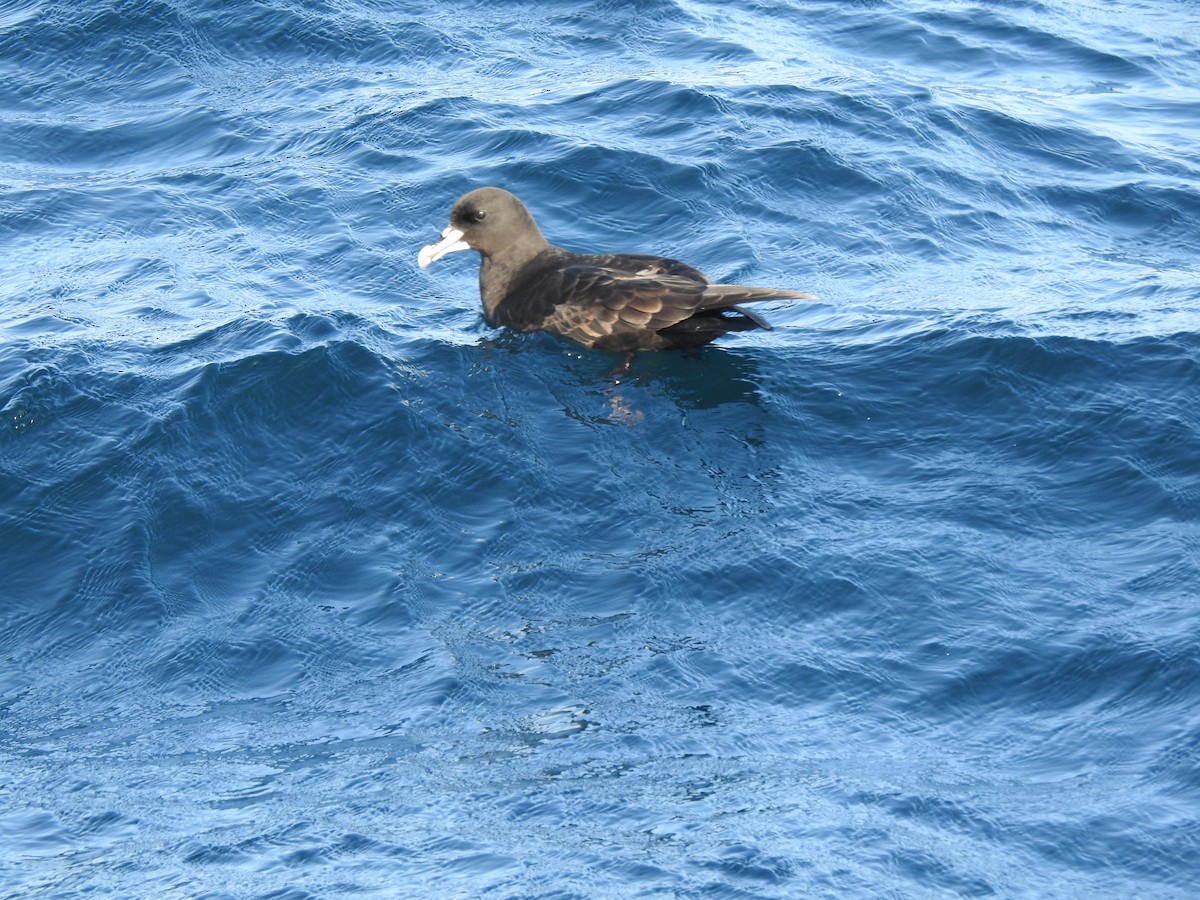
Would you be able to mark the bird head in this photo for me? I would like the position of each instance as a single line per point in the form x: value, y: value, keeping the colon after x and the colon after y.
x: 492, y: 221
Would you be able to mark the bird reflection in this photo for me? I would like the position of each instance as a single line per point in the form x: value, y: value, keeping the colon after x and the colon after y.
x: 693, y: 380
x: 632, y: 389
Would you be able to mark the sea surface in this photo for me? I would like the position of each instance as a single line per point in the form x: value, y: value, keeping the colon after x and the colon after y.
x: 312, y: 585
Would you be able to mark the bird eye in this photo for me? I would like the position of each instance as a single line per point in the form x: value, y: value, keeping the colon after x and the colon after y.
x: 468, y: 215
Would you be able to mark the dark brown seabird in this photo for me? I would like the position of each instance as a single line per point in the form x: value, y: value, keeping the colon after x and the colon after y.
x: 608, y: 301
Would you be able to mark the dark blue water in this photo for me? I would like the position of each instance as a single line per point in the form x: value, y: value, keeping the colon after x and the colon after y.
x: 311, y: 585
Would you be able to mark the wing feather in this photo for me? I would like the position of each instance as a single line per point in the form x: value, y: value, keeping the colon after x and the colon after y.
x: 629, y: 303
x: 618, y: 310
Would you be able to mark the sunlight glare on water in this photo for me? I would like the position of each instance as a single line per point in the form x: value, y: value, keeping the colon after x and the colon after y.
x: 316, y: 586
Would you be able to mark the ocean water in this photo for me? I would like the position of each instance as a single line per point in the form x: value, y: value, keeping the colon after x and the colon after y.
x: 314, y: 586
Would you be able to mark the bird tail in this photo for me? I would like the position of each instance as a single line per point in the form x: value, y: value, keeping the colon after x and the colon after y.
x: 753, y: 317
x: 717, y: 296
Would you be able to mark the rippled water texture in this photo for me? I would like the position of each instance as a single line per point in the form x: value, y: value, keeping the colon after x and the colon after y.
x: 312, y: 585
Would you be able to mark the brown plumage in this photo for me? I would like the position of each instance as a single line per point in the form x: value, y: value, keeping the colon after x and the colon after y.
x: 615, y: 301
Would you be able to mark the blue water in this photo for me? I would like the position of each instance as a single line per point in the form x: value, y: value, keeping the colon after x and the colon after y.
x: 312, y: 585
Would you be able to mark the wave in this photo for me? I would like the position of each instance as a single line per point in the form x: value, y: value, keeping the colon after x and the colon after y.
x: 376, y: 595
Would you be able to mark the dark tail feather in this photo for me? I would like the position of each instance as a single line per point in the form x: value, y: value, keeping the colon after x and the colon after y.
x: 716, y: 296
x: 753, y: 317
x: 709, y: 324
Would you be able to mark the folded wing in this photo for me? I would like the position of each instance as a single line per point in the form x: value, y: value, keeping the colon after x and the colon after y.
x: 611, y: 309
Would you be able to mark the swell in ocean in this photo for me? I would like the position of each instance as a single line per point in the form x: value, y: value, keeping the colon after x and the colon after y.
x: 314, y: 585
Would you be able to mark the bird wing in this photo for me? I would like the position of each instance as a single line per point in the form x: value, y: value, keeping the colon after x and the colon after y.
x: 725, y: 296
x: 614, y: 310
x: 641, y: 264
x: 626, y: 302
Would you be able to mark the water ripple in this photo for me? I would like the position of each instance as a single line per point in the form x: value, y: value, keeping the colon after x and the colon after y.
x: 314, y: 584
